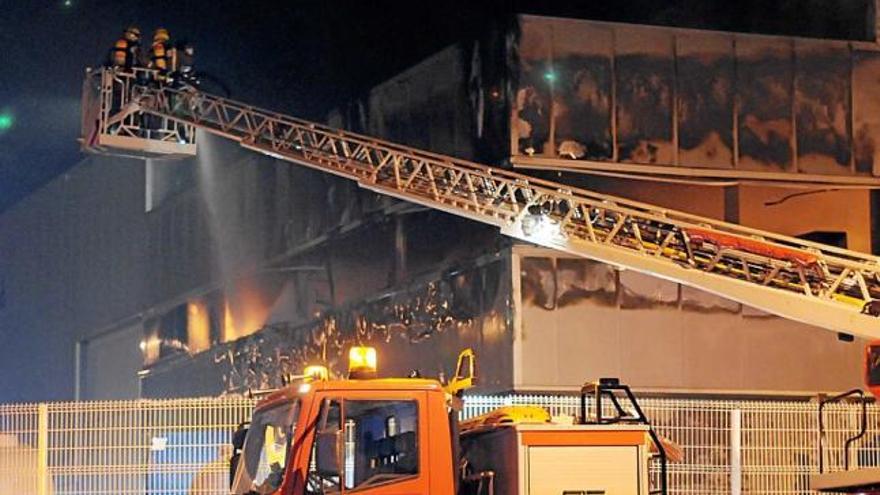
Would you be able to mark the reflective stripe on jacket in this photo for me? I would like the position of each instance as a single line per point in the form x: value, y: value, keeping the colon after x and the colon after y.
x: 119, y: 53
x: 159, y: 56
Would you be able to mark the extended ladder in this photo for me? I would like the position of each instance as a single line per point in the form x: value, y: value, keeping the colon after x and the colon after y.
x: 809, y: 282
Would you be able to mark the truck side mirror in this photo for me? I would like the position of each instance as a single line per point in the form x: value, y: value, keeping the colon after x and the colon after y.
x: 238, y: 438
x: 328, y: 451
x: 465, y: 373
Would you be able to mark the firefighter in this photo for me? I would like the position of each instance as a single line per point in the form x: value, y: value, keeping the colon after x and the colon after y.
x: 161, y: 53
x: 124, y: 55
x: 126, y: 51
x: 185, y: 54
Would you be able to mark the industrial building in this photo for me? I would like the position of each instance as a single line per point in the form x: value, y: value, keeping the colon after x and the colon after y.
x: 229, y: 270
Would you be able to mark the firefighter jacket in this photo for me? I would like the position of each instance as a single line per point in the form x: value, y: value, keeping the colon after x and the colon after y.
x: 162, y: 56
x: 125, y: 53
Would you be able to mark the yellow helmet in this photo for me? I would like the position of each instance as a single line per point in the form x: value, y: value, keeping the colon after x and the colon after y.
x: 161, y: 34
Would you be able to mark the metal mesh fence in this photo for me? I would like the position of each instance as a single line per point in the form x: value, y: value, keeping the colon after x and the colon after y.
x: 171, y: 447
x: 733, y: 447
x: 18, y: 449
x: 120, y: 447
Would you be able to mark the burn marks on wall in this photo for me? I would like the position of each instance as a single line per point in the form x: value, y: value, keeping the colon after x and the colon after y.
x: 565, y: 74
x: 644, y: 95
x: 823, y: 107
x: 866, y: 111
x: 422, y: 326
x: 705, y: 76
x: 669, y: 97
x: 550, y: 283
x: 764, y: 81
x: 581, y: 83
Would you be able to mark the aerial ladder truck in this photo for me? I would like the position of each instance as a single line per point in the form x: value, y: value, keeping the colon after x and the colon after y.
x: 825, y: 286
x: 820, y: 285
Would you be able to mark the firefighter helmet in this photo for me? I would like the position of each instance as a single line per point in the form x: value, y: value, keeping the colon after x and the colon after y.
x: 132, y: 33
x: 161, y: 34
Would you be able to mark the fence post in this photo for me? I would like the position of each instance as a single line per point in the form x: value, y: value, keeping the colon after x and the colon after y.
x: 43, y: 449
x: 736, y: 451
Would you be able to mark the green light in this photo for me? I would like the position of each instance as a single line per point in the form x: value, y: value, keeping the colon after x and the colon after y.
x: 550, y: 76
x: 6, y: 121
x: 68, y: 3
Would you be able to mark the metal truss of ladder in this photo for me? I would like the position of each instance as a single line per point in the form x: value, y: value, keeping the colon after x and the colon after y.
x: 812, y: 283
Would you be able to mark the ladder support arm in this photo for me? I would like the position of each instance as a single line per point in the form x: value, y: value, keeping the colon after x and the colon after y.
x: 805, y: 281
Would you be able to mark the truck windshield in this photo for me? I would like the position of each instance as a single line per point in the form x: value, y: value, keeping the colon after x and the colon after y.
x: 266, y: 449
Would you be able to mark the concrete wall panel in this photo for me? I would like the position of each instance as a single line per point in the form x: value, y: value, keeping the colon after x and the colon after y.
x: 796, y: 212
x: 654, y: 334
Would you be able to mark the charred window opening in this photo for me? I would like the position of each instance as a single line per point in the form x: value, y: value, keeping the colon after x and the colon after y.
x: 830, y: 238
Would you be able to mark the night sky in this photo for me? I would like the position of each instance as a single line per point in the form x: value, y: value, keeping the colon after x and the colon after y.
x: 297, y: 56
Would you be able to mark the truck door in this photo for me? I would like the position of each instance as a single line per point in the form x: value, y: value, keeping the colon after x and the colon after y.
x: 369, y: 444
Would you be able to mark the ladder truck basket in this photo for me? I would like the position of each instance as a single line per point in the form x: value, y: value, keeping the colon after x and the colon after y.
x: 114, y: 122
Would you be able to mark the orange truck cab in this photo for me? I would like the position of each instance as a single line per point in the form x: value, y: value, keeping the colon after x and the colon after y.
x: 401, y: 436
x: 384, y: 436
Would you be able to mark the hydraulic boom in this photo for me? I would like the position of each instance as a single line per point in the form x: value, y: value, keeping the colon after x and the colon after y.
x: 812, y: 283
